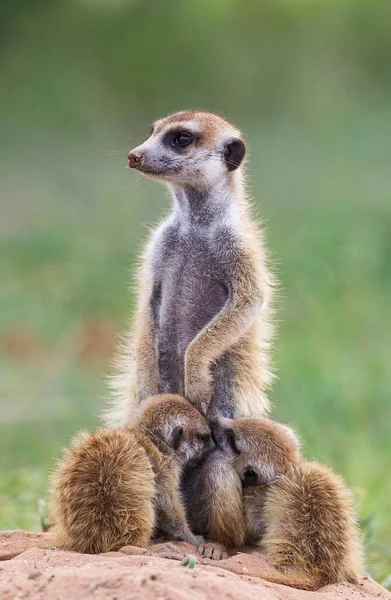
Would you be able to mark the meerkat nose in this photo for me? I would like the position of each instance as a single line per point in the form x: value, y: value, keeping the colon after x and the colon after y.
x: 135, y: 160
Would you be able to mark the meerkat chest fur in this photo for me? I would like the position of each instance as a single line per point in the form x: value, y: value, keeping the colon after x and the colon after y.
x: 193, y: 259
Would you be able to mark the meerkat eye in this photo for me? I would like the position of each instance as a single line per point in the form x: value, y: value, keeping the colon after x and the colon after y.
x: 181, y: 139
x: 176, y: 437
x: 250, y: 477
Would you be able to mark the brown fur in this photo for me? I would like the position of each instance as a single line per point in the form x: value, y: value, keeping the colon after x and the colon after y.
x: 211, y: 123
x: 243, y: 328
x: 302, y: 511
x: 116, y: 487
x: 214, y: 497
x: 214, y: 502
x: 220, y: 362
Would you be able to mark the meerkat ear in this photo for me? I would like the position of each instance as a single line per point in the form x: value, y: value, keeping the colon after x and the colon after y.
x: 234, y: 152
x: 175, y: 437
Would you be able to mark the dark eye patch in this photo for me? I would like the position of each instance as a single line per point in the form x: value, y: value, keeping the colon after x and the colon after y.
x: 177, y: 139
x: 250, y: 477
x: 176, y: 437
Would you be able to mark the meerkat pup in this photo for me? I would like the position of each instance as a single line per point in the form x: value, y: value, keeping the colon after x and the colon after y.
x: 219, y: 512
x: 202, y: 325
x: 118, y: 487
x: 301, y: 510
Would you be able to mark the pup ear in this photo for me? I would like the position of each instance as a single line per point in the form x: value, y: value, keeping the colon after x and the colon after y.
x: 175, y: 437
x: 234, y: 152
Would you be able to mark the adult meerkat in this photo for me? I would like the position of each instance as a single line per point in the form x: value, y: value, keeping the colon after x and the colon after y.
x: 301, y: 510
x: 202, y: 325
x: 117, y: 487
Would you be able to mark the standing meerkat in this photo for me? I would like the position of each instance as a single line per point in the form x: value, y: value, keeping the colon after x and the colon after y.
x: 202, y: 325
x: 117, y: 487
x: 302, y: 511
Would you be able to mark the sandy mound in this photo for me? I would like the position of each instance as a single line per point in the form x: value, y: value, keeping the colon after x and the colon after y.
x: 32, y: 568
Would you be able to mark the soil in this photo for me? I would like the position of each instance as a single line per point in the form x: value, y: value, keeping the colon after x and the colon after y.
x: 32, y: 567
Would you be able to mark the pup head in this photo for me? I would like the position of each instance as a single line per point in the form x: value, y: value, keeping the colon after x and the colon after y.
x: 259, y: 449
x: 171, y: 419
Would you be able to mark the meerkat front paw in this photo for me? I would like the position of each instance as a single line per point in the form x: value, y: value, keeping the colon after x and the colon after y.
x: 196, y: 540
x: 198, y: 385
x: 199, y: 394
x: 213, y: 550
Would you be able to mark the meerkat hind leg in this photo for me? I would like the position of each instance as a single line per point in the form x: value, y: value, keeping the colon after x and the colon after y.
x: 171, y: 518
x: 214, y: 502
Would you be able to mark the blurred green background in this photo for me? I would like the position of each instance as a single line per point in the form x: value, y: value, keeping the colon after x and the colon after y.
x: 309, y: 83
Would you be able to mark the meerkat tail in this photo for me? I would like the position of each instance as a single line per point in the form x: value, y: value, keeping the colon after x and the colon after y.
x: 295, y: 580
x: 311, y: 528
x: 102, y: 493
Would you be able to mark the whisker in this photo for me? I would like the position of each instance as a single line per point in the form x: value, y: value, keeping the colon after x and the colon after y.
x: 143, y: 183
x: 117, y: 151
x: 228, y: 161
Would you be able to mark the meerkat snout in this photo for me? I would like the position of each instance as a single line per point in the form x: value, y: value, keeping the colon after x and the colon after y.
x: 135, y: 160
x: 222, y: 436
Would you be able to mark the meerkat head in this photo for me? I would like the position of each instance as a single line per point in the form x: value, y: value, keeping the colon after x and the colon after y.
x: 190, y: 148
x: 191, y: 439
x: 259, y: 449
x: 174, y: 421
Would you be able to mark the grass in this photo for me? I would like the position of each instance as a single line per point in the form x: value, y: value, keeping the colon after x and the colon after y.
x: 326, y: 199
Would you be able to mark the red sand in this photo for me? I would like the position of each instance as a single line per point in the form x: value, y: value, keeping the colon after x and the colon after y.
x: 31, y: 568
